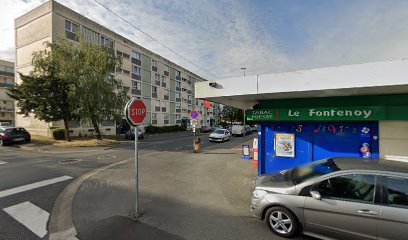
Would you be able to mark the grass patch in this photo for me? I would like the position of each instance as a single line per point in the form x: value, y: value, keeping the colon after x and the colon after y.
x: 85, y: 143
x: 75, y: 141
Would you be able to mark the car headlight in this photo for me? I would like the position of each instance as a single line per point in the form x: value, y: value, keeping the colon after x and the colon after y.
x: 259, y: 193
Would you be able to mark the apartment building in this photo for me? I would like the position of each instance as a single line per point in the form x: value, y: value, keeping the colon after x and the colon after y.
x: 165, y: 87
x: 6, y: 80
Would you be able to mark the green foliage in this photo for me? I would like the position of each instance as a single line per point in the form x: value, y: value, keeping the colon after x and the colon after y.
x: 58, y: 133
x: 164, y: 129
x: 99, y: 95
x: 47, y: 91
x: 231, y: 114
x: 72, y: 82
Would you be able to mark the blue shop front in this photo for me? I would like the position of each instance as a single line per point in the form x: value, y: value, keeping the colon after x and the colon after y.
x: 292, y: 136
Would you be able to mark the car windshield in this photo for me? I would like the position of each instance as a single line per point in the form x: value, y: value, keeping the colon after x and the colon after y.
x: 315, y: 169
x: 219, y: 131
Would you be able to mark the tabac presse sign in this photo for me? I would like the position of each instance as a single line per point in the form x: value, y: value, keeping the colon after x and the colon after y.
x: 365, y: 113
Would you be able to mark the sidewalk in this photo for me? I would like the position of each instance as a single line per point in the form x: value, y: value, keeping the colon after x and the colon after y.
x: 182, y: 196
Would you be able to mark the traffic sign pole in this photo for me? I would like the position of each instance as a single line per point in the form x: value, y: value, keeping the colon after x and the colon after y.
x: 137, y: 171
x: 135, y: 113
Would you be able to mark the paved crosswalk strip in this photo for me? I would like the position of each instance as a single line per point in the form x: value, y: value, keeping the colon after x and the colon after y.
x: 31, y: 216
x: 2, y: 162
x: 31, y: 186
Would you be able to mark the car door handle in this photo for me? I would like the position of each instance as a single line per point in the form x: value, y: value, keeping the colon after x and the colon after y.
x: 367, y: 212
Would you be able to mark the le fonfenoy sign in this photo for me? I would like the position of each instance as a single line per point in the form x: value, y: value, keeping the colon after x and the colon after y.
x: 365, y: 113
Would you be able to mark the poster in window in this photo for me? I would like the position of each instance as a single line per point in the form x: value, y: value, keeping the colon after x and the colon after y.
x: 284, y: 145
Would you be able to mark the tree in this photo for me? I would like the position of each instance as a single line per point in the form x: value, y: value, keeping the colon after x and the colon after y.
x: 47, y: 91
x: 100, y: 96
x: 232, y: 114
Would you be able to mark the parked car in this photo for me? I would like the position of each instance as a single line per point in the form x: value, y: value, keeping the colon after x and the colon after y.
x: 205, y: 129
x: 10, y: 135
x: 220, y: 135
x: 131, y: 134
x: 241, y: 130
x: 337, y: 198
x: 254, y: 128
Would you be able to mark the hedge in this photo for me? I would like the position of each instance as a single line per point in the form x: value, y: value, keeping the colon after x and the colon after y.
x: 164, y: 129
x: 58, y: 133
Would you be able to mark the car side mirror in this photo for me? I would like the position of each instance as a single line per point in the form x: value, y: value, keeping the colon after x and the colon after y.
x: 316, y: 195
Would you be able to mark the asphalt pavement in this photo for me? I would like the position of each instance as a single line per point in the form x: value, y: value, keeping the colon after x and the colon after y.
x: 88, y: 193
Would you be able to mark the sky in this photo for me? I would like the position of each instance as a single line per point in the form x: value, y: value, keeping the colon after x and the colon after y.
x: 265, y: 36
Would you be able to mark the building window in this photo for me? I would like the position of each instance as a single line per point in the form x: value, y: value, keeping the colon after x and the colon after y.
x: 154, y: 63
x: 71, y: 30
x: 136, y: 70
x: 154, y: 116
x: 178, y: 84
x: 157, y: 76
x: 136, y: 85
x: 123, y: 71
x: 167, y: 68
x: 178, y: 73
x: 122, y: 55
x: 166, y: 117
x: 178, y: 116
x: 89, y: 35
x: 107, y: 42
x: 154, y: 89
x: 164, y: 79
x: 135, y: 55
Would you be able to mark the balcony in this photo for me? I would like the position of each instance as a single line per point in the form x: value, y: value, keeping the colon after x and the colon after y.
x: 189, y: 82
x: 136, y: 76
x: 166, y: 121
x: 6, y: 84
x: 157, y: 83
x: 189, y: 91
x: 157, y: 109
x: 178, y: 99
x: 10, y: 74
x: 136, y: 61
x: 189, y: 101
x: 164, y: 84
x: 178, y: 110
x: 154, y: 95
x: 178, y: 77
x: 178, y: 89
x: 136, y: 91
x: 154, y: 122
x: 154, y: 68
x: 166, y: 73
x: 164, y: 109
x: 166, y: 97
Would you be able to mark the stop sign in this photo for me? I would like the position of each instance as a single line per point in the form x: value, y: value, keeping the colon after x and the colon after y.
x: 135, y: 111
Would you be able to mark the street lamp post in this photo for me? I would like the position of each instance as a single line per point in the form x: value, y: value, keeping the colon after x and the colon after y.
x: 244, y: 68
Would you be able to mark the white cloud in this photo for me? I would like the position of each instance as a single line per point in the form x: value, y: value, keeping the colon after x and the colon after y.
x: 223, y: 36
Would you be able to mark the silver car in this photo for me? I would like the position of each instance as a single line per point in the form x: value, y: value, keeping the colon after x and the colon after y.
x: 336, y: 198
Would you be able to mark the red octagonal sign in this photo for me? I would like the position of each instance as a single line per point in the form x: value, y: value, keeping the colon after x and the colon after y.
x: 135, y: 111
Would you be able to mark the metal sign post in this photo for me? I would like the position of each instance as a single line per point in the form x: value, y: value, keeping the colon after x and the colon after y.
x: 193, y: 119
x: 135, y: 112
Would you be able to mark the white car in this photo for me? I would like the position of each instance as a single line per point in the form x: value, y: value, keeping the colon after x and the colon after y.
x: 220, y: 135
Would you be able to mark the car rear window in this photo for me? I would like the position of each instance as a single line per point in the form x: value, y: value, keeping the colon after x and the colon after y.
x: 314, y: 169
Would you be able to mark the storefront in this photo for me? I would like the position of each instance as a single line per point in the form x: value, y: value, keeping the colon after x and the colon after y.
x: 292, y: 136
x: 304, y: 116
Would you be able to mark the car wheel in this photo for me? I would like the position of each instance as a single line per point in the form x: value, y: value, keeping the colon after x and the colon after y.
x: 27, y: 140
x: 282, y: 222
x: 222, y: 140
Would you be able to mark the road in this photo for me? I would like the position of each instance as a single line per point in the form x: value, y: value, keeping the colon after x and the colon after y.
x: 30, y: 182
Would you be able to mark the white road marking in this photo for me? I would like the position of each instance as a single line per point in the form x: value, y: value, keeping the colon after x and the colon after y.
x: 2, y: 162
x: 31, y: 216
x: 31, y: 186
